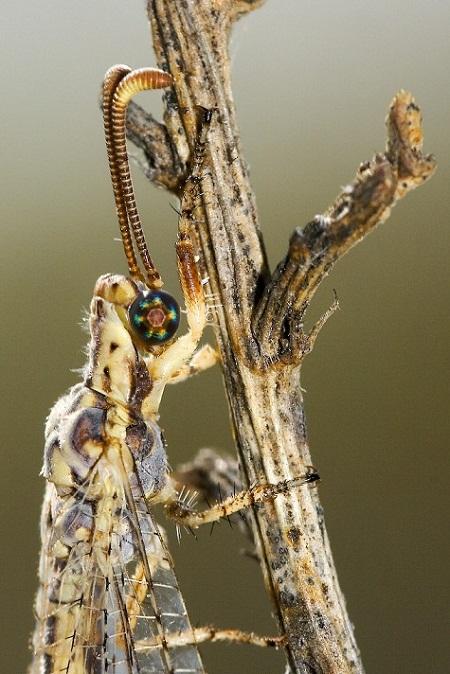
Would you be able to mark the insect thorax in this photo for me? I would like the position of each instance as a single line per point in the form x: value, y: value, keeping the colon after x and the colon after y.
x: 105, y: 414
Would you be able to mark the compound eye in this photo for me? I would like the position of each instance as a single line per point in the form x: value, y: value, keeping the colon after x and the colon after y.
x: 154, y: 316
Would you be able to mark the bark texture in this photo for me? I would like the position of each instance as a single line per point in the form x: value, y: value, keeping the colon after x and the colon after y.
x: 259, y: 320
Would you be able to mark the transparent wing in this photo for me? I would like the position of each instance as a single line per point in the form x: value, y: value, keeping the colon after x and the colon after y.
x: 100, y: 596
x: 79, y: 608
x: 154, y: 606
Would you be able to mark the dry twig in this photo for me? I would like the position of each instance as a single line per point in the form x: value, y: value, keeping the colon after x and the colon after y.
x: 260, y: 315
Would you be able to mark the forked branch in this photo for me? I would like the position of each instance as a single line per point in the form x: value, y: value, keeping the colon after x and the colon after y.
x: 314, y: 249
x: 259, y: 317
x: 160, y: 163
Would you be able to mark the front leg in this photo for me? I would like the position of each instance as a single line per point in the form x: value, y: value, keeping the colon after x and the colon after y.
x: 202, y: 360
x: 178, y: 354
x: 175, y: 357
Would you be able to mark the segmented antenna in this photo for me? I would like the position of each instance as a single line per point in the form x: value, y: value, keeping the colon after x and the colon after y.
x: 119, y: 86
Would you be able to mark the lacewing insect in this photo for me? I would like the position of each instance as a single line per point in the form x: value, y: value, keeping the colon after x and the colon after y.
x: 108, y: 599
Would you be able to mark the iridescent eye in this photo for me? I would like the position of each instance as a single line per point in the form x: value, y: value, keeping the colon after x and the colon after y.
x: 154, y: 316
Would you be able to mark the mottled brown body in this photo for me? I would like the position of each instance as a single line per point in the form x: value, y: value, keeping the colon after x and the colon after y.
x: 106, y: 577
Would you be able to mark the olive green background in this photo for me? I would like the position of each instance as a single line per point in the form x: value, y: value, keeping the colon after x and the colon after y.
x: 313, y: 82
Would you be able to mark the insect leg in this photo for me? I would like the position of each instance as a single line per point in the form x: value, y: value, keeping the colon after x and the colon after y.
x: 202, y: 360
x: 181, y: 351
x: 209, y: 633
x: 175, y: 357
x: 182, y: 512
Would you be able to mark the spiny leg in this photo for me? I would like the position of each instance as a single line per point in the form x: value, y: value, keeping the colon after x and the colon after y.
x: 211, y: 477
x: 181, y: 511
x: 210, y: 474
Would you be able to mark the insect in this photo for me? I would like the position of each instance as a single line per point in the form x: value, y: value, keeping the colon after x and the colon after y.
x: 108, y: 599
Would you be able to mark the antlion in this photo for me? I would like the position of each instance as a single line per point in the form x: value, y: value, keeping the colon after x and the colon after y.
x: 108, y: 599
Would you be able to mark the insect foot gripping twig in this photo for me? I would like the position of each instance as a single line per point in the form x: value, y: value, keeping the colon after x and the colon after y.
x: 259, y: 317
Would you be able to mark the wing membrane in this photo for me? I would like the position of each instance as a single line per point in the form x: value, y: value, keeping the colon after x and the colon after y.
x: 101, y: 595
x: 155, y: 606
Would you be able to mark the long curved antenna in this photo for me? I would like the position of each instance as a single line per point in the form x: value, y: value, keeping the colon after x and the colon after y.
x: 110, y: 82
x: 126, y: 85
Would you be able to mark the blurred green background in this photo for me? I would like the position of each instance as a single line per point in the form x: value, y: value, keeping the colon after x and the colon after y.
x: 313, y: 82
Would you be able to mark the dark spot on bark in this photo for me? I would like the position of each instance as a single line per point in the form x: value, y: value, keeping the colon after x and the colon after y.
x: 311, y: 668
x: 320, y: 622
x: 294, y: 535
x: 283, y: 554
x: 288, y: 599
